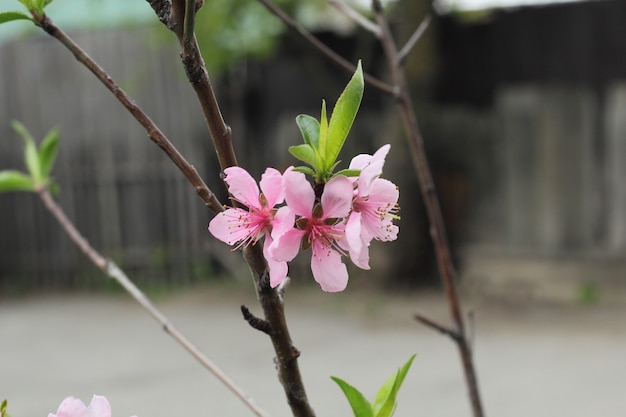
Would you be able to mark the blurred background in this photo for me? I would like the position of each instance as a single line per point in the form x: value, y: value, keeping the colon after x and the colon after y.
x: 521, y: 106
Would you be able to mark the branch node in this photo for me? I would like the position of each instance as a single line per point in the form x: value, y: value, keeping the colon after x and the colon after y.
x: 255, y: 322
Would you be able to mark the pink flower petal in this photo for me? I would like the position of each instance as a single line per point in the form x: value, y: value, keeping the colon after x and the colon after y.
x: 242, y: 186
x: 284, y: 219
x: 383, y: 190
x: 99, y: 407
x: 278, y: 269
x: 299, y: 194
x: 272, y: 187
x: 353, y: 233
x: 372, y: 170
x: 71, y: 407
x: 229, y: 227
x: 286, y: 246
x: 328, y: 270
x: 337, y: 197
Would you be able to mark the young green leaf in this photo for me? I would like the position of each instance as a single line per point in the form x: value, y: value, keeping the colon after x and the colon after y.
x: 385, y: 401
x: 30, y: 152
x: 348, y: 172
x: 360, y: 406
x: 323, y: 138
x: 305, y: 170
x: 48, y: 152
x: 11, y: 180
x: 310, y: 129
x: 306, y: 154
x: 11, y: 16
x: 343, y: 116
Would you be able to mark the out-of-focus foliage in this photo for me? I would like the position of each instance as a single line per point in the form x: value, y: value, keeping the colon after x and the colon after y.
x: 231, y: 30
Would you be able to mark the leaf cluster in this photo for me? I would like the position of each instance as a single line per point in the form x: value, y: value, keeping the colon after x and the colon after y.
x: 385, y: 403
x: 39, y: 162
x: 34, y: 7
x: 323, y: 139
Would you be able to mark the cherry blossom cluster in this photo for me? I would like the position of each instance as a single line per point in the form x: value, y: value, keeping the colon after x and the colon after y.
x: 343, y: 221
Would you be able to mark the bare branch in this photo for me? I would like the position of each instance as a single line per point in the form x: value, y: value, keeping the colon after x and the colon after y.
x: 413, y: 40
x: 325, y: 50
x: 255, y: 322
x: 114, y: 272
x: 433, y: 208
x: 437, y: 326
x: 353, y: 14
x: 151, y: 128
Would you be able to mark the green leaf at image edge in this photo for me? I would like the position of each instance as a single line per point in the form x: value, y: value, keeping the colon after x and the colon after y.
x: 11, y: 16
x: 343, y: 116
x: 386, y: 398
x: 360, y: 406
x: 15, y: 181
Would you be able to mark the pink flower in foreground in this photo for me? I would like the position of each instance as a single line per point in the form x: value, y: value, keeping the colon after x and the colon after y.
x: 73, y: 407
x: 373, y: 208
x: 319, y: 226
x: 236, y: 226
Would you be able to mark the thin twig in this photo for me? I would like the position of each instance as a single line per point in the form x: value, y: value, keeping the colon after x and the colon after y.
x: 436, y: 326
x: 255, y: 322
x: 431, y: 202
x: 406, y: 49
x: 114, y: 272
x: 151, y: 128
x: 325, y: 50
x: 353, y: 14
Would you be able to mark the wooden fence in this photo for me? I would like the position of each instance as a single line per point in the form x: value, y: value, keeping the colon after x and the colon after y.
x: 118, y: 187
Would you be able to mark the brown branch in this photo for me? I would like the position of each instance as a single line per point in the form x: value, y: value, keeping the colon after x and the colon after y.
x: 114, y: 272
x: 356, y: 17
x: 270, y: 299
x: 436, y: 326
x: 197, y: 75
x: 416, y: 36
x: 255, y: 322
x: 151, y: 128
x: 431, y: 202
x: 325, y: 50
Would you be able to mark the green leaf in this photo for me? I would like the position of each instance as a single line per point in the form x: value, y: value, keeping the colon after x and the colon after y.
x: 307, y: 154
x: 348, y: 172
x: 323, y: 137
x: 343, y: 116
x: 11, y: 16
x: 48, y: 151
x: 310, y: 129
x: 31, y: 155
x: 385, y: 401
x: 11, y: 180
x: 360, y: 406
x: 305, y: 170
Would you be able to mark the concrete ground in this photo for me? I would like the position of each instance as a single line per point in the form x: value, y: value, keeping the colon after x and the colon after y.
x: 532, y: 360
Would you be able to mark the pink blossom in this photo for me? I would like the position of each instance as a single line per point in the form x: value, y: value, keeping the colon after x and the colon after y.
x: 374, y: 208
x: 236, y: 226
x: 319, y: 226
x: 73, y: 407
